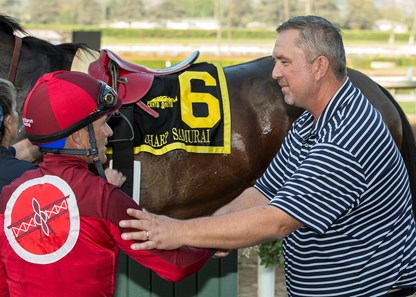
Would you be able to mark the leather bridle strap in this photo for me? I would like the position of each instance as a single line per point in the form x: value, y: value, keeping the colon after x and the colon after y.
x: 15, y: 58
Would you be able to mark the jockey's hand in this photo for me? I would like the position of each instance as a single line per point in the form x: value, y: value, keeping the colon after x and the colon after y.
x: 115, y: 177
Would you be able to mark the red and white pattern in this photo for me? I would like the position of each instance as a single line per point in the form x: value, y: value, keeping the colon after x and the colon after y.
x: 40, y: 213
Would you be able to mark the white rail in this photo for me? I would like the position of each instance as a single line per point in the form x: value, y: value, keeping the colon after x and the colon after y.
x: 401, y: 88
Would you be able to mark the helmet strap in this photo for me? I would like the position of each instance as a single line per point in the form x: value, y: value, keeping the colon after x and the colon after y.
x: 93, y: 151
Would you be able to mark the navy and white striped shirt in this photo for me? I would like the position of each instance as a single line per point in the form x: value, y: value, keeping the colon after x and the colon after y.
x: 344, y: 179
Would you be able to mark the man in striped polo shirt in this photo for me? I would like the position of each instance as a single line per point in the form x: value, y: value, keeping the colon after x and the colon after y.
x: 337, y: 191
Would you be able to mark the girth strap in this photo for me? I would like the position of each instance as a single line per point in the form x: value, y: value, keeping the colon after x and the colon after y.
x: 123, y: 135
x: 123, y: 146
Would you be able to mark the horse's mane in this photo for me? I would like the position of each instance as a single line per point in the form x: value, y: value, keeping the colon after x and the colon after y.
x: 57, y: 53
x: 10, y: 25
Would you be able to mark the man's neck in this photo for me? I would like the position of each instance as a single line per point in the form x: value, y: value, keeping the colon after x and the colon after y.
x: 326, y: 92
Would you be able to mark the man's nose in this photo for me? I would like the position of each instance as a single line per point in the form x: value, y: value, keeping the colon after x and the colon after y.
x: 276, y: 72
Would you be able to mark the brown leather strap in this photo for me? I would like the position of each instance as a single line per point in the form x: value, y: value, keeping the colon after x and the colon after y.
x: 15, y: 58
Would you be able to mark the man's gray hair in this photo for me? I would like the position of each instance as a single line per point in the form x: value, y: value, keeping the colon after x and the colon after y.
x: 319, y: 37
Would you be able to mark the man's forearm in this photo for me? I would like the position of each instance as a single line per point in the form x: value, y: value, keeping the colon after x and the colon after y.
x: 248, y: 198
x: 238, y: 229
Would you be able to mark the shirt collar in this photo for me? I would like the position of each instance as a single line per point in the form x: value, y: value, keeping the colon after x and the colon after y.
x: 61, y: 160
x: 340, y: 98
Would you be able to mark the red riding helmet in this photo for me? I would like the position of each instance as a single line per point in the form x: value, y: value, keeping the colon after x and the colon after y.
x: 63, y: 102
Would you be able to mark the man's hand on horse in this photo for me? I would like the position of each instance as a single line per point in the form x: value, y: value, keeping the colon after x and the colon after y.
x: 153, y: 231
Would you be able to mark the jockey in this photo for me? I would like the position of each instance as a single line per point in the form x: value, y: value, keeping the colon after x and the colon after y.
x: 59, y: 232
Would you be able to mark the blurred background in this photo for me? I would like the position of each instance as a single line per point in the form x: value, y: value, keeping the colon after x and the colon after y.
x: 378, y: 34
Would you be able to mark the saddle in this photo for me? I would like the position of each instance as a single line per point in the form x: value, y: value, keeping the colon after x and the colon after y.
x: 132, y: 81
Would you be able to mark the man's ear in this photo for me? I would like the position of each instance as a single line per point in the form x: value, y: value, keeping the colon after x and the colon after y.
x: 321, y: 66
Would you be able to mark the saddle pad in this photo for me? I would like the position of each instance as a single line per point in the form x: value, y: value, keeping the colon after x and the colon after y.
x: 194, y: 113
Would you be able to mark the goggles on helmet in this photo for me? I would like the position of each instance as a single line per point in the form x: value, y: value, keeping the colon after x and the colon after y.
x: 107, y: 97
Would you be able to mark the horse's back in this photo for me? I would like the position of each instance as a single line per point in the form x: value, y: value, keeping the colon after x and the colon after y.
x: 380, y: 101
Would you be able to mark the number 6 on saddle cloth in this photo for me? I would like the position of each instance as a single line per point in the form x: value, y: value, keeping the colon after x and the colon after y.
x: 131, y: 82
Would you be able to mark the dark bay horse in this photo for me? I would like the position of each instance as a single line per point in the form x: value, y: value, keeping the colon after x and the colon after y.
x: 182, y: 184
